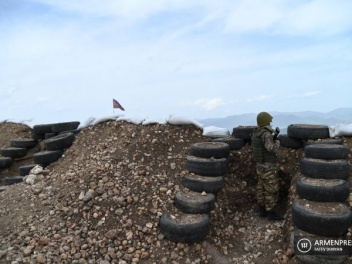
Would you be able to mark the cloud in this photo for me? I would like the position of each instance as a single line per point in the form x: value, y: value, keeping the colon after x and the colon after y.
x: 41, y: 99
x: 207, y: 104
x: 318, y: 17
x: 285, y: 17
x: 85, y: 52
x: 304, y: 95
x: 253, y: 15
x: 302, y: 18
x: 309, y: 94
x: 133, y: 9
x: 260, y: 98
x: 6, y: 90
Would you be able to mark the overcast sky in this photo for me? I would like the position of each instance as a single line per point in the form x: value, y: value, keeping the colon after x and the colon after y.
x: 63, y: 60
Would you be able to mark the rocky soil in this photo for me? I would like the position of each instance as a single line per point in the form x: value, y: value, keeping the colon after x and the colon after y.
x: 101, y: 202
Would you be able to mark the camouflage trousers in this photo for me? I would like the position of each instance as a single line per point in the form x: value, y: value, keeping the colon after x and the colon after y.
x: 268, y: 186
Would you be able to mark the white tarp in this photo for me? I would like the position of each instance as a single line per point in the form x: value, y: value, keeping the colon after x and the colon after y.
x: 340, y: 130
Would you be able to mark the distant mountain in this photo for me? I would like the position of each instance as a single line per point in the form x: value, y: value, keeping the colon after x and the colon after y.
x: 284, y: 119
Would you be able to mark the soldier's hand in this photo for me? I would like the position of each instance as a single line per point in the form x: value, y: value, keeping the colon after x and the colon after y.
x: 276, y: 133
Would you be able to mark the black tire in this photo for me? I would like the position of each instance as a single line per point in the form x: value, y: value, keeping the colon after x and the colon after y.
x: 185, y: 228
x: 312, y: 257
x: 325, y: 169
x: 324, y: 219
x: 323, y: 258
x: 5, y: 162
x: 61, y: 141
x: 42, y: 129
x: 74, y: 131
x: 23, y: 143
x: 322, y: 190
x: 244, y: 132
x: 50, y: 135
x: 326, y: 151
x: 234, y: 143
x: 198, y: 183
x: 47, y: 157
x: 64, y: 126
x: 14, y: 152
x: 216, y: 150
x: 338, y: 141
x: 13, y: 180
x: 306, y: 131
x: 37, y: 136
x: 206, y: 167
x: 288, y: 142
x: 25, y: 169
x: 194, y: 202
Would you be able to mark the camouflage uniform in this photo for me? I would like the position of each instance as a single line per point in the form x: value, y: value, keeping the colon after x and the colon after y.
x: 265, y: 150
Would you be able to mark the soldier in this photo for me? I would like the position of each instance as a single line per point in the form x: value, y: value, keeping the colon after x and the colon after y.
x: 265, y: 149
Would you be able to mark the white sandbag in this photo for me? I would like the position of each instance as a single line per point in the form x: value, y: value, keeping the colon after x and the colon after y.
x: 340, y: 130
x: 178, y: 120
x: 151, y: 121
x: 87, y: 123
x: 132, y: 120
x: 104, y: 119
x: 215, y: 132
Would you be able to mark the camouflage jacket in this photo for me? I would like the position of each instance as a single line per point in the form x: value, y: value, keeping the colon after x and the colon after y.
x: 269, y: 143
x: 264, y: 147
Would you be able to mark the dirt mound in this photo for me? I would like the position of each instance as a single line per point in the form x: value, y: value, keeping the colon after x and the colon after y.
x: 102, y: 201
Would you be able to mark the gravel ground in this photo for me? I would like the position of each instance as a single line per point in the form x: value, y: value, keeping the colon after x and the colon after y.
x: 102, y: 201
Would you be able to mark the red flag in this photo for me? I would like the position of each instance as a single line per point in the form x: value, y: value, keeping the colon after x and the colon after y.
x: 115, y: 104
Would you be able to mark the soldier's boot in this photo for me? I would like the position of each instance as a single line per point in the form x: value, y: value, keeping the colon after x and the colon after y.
x: 274, y: 216
x: 262, y: 211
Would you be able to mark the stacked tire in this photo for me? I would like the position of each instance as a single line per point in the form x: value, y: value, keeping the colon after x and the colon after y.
x: 302, y: 135
x: 233, y: 142
x: 14, y: 152
x: 244, y: 133
x: 321, y: 210
x: 5, y: 162
x: 18, y: 149
x: 289, y: 142
x: 46, y: 131
x: 207, y: 166
x: 55, y: 147
x: 57, y: 138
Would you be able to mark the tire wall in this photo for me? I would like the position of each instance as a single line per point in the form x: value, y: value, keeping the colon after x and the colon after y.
x: 323, y: 183
x: 207, y: 165
x: 44, y: 147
